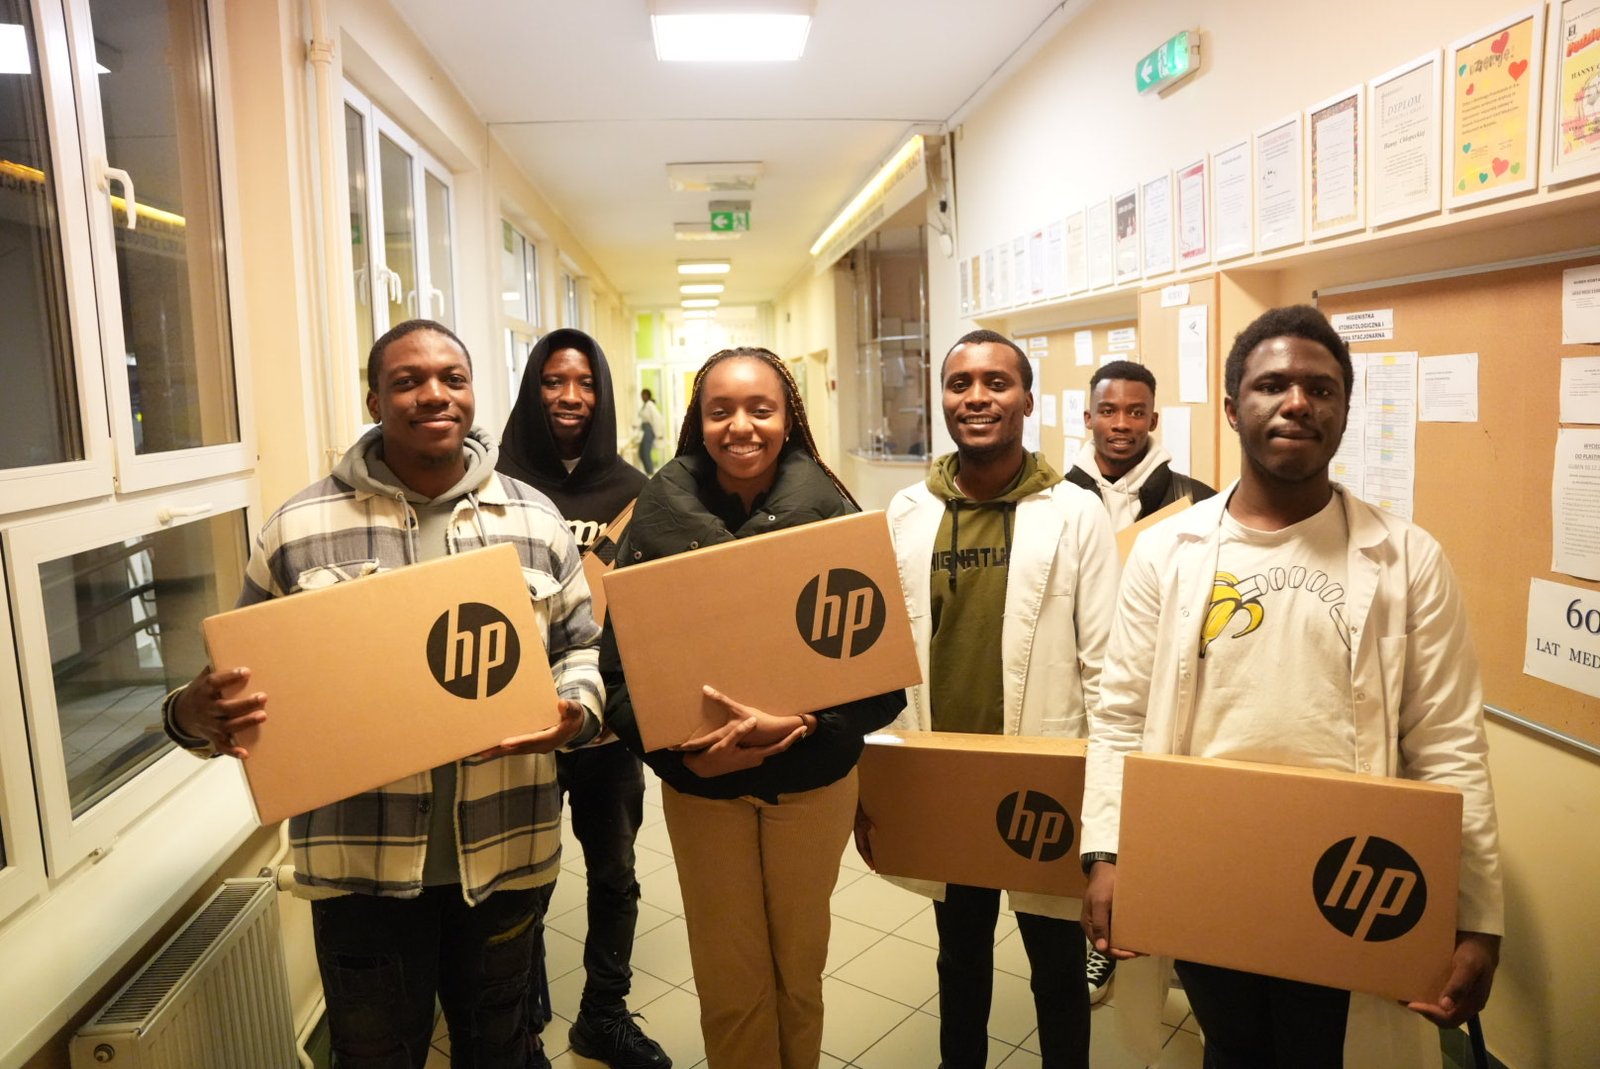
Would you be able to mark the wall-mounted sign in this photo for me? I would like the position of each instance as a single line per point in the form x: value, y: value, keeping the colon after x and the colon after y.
x: 730, y: 215
x: 1176, y: 59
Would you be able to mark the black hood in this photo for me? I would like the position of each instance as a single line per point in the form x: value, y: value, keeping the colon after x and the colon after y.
x: 602, y: 482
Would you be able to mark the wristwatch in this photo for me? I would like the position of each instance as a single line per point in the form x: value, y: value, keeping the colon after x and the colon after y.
x: 1094, y: 856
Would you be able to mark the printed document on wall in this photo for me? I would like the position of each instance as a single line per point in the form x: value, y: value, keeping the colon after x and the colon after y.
x: 1030, y: 422
x: 1346, y: 466
x: 1177, y: 425
x: 1449, y: 388
x: 1389, y: 469
x: 1083, y: 348
x: 1563, y: 636
x: 1073, y: 405
x: 1580, y: 305
x: 1575, y: 503
x: 1192, y: 354
x: 1580, y: 389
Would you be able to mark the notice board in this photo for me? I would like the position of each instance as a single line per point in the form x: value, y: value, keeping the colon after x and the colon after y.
x: 1484, y: 489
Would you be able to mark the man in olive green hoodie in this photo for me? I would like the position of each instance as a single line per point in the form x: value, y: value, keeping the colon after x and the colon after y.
x: 1010, y: 575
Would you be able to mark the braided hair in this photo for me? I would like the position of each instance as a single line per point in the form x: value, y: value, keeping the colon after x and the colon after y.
x: 692, y: 435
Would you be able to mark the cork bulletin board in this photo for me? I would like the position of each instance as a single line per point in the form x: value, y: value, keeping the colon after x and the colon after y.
x: 1484, y: 489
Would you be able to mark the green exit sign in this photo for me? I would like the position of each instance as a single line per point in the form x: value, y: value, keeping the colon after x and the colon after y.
x: 1176, y: 59
x: 729, y: 221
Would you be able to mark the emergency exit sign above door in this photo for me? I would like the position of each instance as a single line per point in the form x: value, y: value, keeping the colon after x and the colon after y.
x: 1176, y: 59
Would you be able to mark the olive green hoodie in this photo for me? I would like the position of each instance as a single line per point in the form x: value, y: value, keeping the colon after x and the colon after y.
x: 970, y: 563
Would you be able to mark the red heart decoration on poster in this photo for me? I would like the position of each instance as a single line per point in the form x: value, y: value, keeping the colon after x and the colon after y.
x: 1500, y: 43
x: 1518, y: 69
x: 1471, y: 87
x: 1500, y: 166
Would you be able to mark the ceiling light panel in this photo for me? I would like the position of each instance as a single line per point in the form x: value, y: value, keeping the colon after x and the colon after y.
x: 730, y: 31
x: 700, y: 302
x: 703, y: 267
x: 714, y: 177
x: 692, y: 288
x: 702, y: 232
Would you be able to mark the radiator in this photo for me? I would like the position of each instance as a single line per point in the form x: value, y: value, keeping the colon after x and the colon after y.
x: 216, y: 996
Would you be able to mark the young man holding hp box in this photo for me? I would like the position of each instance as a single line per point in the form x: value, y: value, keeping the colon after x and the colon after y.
x: 1286, y: 622
x: 433, y: 884
x: 1010, y: 574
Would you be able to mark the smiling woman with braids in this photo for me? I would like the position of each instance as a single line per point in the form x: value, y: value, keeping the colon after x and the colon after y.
x: 759, y: 810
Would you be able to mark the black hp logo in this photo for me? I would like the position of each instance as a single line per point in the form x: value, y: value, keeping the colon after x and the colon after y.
x: 473, y: 650
x: 1370, y: 888
x: 1035, y: 825
x: 840, y: 613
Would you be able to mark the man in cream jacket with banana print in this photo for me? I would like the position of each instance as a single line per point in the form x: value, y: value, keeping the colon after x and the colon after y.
x: 1286, y: 621
x: 1010, y: 573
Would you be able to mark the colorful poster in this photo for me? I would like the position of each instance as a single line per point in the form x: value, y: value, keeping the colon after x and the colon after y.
x: 1125, y: 242
x: 1575, y: 109
x: 1335, y: 132
x: 1404, y: 141
x: 1492, y: 111
x: 1194, y: 245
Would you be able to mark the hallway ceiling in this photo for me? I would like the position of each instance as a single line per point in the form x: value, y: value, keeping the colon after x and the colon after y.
x: 574, y: 92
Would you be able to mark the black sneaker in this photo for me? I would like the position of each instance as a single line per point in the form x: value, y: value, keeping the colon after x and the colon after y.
x: 1099, y: 969
x: 616, y: 1040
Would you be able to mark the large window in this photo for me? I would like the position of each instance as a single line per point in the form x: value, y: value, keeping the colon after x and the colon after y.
x: 122, y: 373
x: 402, y: 235
x: 519, y: 301
x: 891, y: 284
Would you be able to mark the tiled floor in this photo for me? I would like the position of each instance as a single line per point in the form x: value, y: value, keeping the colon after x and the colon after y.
x: 880, y: 989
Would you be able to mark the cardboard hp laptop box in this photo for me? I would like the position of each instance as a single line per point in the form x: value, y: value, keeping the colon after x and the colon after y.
x: 982, y: 810
x: 789, y: 622
x: 1325, y: 877
x: 377, y: 678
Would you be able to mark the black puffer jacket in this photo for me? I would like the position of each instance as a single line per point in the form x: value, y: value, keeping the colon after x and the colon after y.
x: 682, y: 508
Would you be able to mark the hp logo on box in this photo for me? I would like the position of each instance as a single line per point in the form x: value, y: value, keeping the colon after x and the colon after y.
x: 1370, y: 888
x: 473, y: 650
x: 1035, y: 825
x: 840, y: 613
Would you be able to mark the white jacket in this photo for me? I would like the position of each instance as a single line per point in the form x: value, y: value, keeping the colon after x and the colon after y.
x: 1417, y: 703
x: 1060, y: 593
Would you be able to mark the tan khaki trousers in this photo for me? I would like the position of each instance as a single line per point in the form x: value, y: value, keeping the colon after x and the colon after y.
x: 756, y: 881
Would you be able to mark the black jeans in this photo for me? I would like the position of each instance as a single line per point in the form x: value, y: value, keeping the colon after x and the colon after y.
x: 1262, y: 1022
x: 1055, y: 948
x: 605, y: 787
x: 383, y: 960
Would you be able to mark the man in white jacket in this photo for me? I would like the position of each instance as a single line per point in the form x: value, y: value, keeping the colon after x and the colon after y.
x: 1010, y: 576
x: 1348, y: 649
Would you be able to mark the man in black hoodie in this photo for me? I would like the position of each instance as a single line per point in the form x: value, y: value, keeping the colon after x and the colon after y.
x: 562, y: 439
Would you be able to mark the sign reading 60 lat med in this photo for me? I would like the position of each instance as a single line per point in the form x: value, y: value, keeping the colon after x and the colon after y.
x: 1564, y: 635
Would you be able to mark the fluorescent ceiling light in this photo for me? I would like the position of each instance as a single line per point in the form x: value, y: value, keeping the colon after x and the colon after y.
x: 703, y: 267
x: 714, y: 177
x: 728, y: 37
x: 702, y: 231
x: 886, y: 174
x: 701, y: 287
x: 700, y: 302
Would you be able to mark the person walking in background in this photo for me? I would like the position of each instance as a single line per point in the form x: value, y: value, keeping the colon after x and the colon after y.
x: 649, y: 424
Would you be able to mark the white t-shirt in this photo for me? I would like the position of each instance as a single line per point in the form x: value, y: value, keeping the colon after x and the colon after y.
x: 1274, y: 680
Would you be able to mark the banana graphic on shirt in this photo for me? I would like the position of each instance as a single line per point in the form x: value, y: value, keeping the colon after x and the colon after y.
x: 1226, y: 603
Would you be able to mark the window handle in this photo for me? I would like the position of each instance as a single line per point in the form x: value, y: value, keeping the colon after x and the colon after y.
x: 391, y: 283
x: 130, y: 201
x: 437, y: 294
x: 168, y: 513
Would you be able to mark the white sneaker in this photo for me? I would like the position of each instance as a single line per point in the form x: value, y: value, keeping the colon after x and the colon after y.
x: 1099, y: 969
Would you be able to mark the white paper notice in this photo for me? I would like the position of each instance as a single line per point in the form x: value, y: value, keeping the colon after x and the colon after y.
x: 1580, y: 305
x: 1374, y: 325
x: 1020, y: 284
x: 1230, y: 190
x: 1077, y: 255
x: 1055, y: 270
x: 1083, y: 347
x: 1030, y: 423
x: 991, y: 277
x: 1036, y: 265
x: 1580, y: 389
x: 1575, y: 503
x: 1563, y: 636
x: 1039, y: 341
x: 1073, y: 405
x: 1193, y: 352
x: 1279, y: 216
x: 1175, y: 296
x: 1449, y: 388
x: 1390, y: 465
x: 1177, y: 424
x: 1098, y: 237
x: 1156, y: 221
x: 1346, y: 466
x: 1047, y: 409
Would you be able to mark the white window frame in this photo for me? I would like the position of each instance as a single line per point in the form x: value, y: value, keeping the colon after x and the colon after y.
x: 68, y: 839
x: 23, y: 489
x: 22, y: 878
x: 135, y: 471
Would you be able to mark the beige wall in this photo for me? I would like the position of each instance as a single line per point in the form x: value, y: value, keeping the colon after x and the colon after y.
x: 1071, y: 114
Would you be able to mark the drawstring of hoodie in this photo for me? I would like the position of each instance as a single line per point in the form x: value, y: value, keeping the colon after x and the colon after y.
x: 1007, y: 508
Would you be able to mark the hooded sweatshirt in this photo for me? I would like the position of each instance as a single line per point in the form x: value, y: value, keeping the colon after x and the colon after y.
x: 971, y: 559
x: 601, y: 484
x: 1121, y: 496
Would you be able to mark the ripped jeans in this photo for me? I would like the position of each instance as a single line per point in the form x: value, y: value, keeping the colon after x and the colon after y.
x: 383, y: 960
